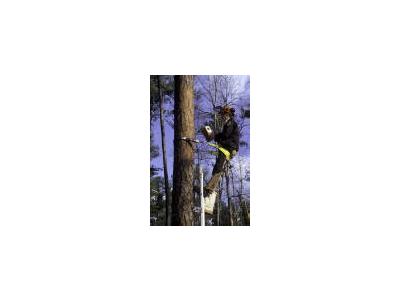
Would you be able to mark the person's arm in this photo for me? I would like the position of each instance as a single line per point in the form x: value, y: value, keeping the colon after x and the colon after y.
x: 217, y: 137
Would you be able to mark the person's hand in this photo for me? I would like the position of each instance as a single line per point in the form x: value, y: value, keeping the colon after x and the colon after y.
x: 234, y: 152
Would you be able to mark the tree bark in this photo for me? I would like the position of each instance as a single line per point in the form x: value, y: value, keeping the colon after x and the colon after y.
x: 182, y: 195
x: 165, y: 165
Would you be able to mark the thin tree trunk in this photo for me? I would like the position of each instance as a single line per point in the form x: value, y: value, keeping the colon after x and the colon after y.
x: 219, y: 202
x: 229, y: 199
x: 233, y: 204
x: 245, y: 212
x: 164, y: 152
x: 182, y: 195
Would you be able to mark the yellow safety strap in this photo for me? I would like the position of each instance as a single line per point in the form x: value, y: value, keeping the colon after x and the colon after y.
x: 223, y: 150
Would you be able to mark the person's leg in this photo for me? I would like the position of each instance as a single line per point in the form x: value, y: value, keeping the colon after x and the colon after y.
x: 216, y: 174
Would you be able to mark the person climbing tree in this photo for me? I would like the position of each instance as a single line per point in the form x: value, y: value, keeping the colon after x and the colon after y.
x: 228, y: 139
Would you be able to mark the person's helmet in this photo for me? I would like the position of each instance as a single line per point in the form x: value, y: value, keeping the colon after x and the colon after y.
x: 226, y: 110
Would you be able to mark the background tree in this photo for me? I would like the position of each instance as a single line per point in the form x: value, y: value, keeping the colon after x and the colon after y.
x: 157, y: 199
x: 161, y: 87
x: 164, y: 151
x: 154, y: 152
x: 228, y: 195
x: 243, y: 206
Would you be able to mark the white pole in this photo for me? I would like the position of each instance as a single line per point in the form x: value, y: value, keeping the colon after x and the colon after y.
x: 202, y: 198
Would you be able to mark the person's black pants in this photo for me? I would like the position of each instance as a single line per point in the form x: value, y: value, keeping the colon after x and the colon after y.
x: 216, y: 173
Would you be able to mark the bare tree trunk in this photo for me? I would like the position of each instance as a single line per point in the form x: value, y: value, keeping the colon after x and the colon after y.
x: 233, y: 204
x: 165, y: 166
x: 245, y: 212
x: 229, y: 199
x: 182, y: 196
x: 219, y: 202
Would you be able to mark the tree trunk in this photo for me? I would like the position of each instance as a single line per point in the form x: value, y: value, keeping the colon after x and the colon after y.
x: 245, y: 212
x: 235, y: 216
x: 229, y: 199
x: 182, y: 195
x: 219, y: 202
x: 165, y: 166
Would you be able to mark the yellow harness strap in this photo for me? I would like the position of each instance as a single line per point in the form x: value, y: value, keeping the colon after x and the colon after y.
x: 223, y: 150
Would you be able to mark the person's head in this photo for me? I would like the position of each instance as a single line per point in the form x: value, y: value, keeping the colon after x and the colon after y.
x: 226, y: 113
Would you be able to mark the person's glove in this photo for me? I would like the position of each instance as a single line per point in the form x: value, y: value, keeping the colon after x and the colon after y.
x: 233, y: 153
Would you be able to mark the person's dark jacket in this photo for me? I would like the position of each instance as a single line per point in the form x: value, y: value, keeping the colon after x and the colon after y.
x: 229, y: 137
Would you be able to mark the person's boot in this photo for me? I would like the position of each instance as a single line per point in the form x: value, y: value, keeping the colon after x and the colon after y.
x: 209, y: 202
